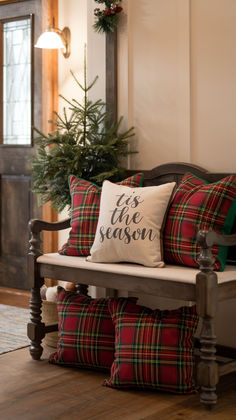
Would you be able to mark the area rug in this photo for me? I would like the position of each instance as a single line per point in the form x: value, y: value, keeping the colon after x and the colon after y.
x: 13, y: 328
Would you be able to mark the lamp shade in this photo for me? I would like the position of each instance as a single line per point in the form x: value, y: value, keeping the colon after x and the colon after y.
x: 50, y: 40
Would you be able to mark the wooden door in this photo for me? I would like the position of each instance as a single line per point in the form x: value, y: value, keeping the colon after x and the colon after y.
x: 20, y: 109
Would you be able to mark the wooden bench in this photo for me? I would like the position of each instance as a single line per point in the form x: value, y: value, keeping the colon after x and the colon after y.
x: 205, y: 287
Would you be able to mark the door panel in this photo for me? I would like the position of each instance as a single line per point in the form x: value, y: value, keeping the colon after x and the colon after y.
x: 17, y: 203
x: 15, y: 213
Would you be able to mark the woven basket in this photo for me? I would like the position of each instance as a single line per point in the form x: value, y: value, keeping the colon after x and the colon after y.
x: 49, y: 317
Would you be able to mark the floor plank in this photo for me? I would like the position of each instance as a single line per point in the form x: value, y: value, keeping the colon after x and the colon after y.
x: 38, y: 390
x: 14, y: 297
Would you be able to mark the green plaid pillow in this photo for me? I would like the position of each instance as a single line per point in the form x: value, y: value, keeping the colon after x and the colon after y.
x: 85, y: 203
x: 86, y: 332
x: 153, y: 349
x: 199, y: 205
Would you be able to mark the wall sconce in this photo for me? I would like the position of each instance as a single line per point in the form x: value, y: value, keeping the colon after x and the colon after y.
x: 54, y: 38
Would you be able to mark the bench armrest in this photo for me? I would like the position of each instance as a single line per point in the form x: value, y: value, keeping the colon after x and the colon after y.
x: 36, y: 225
x: 208, y: 238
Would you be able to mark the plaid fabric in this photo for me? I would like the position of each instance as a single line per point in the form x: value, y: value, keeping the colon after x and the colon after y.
x: 85, y: 203
x: 153, y: 349
x: 86, y: 332
x: 199, y: 205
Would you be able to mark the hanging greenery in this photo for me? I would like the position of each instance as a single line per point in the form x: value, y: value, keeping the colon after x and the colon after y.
x: 85, y: 144
x: 107, y: 19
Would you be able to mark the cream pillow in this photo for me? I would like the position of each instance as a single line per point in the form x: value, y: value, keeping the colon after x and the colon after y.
x: 130, y: 224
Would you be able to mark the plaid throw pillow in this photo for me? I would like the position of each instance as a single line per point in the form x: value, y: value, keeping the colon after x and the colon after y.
x: 199, y: 205
x: 85, y: 203
x: 153, y: 349
x: 86, y: 332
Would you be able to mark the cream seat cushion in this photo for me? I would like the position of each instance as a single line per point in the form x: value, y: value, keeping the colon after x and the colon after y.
x: 169, y: 272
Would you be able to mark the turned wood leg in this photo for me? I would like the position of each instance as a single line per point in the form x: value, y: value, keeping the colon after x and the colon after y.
x: 35, y: 328
x: 207, y: 369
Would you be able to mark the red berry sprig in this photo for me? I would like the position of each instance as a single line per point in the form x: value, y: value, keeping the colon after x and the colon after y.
x: 107, y: 19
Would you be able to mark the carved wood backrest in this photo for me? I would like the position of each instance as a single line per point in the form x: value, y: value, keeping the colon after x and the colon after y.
x: 170, y: 172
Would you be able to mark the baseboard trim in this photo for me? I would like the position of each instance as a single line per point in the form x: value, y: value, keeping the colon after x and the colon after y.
x: 14, y: 297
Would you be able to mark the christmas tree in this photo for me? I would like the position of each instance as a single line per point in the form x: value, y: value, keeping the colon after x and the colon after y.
x: 84, y: 143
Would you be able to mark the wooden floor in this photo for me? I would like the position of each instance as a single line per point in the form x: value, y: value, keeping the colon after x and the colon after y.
x: 33, y: 390
x: 38, y: 390
x: 14, y: 297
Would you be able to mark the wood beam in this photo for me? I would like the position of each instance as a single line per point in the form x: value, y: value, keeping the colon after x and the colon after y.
x: 14, y: 297
x: 49, y: 105
x: 111, y: 75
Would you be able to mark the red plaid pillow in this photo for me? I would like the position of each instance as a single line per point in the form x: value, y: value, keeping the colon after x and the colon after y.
x: 85, y: 203
x: 199, y: 205
x: 86, y: 332
x: 153, y: 349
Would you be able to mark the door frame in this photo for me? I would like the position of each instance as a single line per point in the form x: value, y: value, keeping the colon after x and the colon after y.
x: 49, y: 105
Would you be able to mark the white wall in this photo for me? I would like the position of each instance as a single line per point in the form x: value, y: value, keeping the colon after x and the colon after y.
x: 213, y: 87
x: 177, y: 61
x: 155, y: 38
x: 72, y: 13
x: 176, y: 84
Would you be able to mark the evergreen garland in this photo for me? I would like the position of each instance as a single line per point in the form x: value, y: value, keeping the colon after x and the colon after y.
x: 107, y: 19
x: 85, y: 144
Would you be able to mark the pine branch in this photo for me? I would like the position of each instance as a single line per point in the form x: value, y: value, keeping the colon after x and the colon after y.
x: 84, y: 143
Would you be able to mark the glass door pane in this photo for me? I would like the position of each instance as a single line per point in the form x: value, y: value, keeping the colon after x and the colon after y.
x: 17, y: 82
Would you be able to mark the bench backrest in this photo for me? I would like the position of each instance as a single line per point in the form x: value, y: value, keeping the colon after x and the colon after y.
x: 174, y: 172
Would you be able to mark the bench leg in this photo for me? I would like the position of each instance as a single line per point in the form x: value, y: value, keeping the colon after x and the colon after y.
x: 35, y: 328
x: 207, y: 369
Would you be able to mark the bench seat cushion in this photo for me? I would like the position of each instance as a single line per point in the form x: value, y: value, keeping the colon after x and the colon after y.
x: 175, y: 273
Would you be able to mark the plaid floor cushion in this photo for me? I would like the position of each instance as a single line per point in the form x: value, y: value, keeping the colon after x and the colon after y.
x: 86, y: 332
x: 85, y: 202
x: 153, y: 349
x: 199, y: 205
